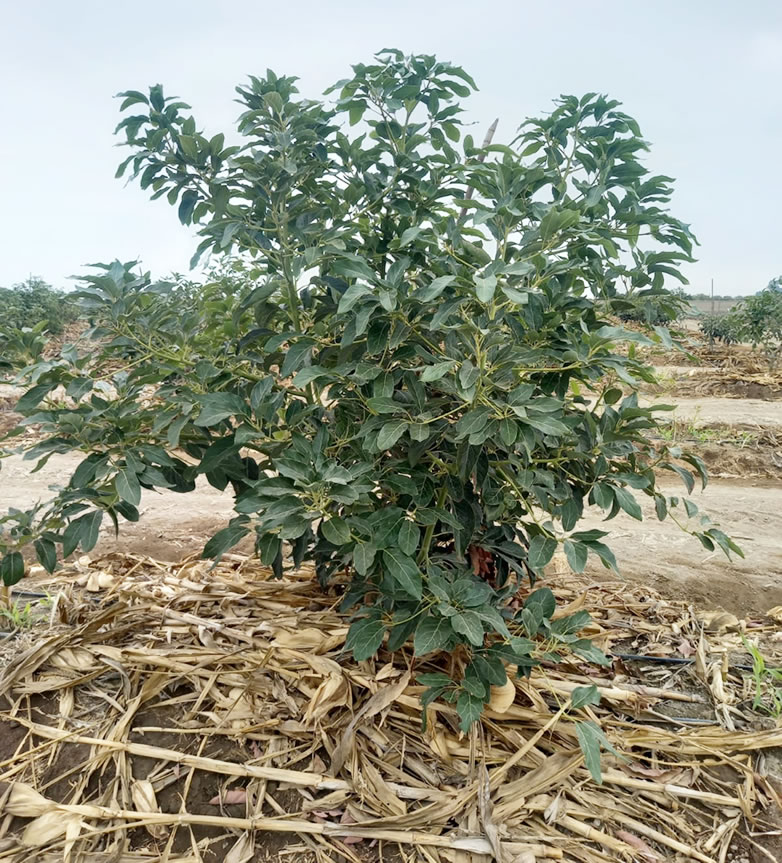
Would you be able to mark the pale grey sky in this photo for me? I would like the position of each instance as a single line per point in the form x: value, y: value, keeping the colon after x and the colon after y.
x: 703, y: 77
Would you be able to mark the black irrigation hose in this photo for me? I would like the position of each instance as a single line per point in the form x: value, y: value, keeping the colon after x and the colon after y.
x: 667, y: 660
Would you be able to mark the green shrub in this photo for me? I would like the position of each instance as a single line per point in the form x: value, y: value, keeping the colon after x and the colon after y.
x: 725, y: 328
x: 410, y: 383
x: 761, y: 323
x: 34, y: 301
x: 756, y: 320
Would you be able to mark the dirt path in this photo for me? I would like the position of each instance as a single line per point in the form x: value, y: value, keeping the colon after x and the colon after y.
x: 171, y: 525
x: 648, y: 552
x: 676, y: 564
x: 708, y: 410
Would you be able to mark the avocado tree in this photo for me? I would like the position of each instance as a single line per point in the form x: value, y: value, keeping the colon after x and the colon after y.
x: 408, y: 377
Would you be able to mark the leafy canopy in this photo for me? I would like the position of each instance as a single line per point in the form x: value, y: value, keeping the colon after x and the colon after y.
x: 409, y: 375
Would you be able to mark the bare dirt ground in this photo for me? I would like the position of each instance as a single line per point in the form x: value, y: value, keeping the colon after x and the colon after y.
x: 172, y: 526
x: 709, y: 410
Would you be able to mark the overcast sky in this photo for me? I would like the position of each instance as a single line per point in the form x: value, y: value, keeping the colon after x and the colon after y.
x: 703, y: 77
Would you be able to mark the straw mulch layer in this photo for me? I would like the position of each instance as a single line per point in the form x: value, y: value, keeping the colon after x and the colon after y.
x: 734, y: 371
x: 173, y: 713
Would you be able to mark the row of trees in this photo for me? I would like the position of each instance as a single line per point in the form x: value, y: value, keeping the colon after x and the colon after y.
x: 757, y: 320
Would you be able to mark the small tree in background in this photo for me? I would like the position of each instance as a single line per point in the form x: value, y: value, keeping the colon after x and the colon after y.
x: 34, y: 301
x: 761, y: 323
x: 756, y: 320
x: 404, y: 381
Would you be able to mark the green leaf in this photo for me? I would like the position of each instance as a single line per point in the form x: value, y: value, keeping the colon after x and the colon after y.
x: 591, y: 738
x: 587, y: 650
x: 433, y: 633
x: 508, y: 431
x: 490, y: 669
x: 628, y: 503
x: 685, y: 475
x: 435, y: 679
x: 468, y: 375
x: 309, y: 374
x: 557, y: 220
x: 336, y: 530
x: 437, y: 371
x: 89, y: 529
x: 541, y: 550
x: 12, y: 568
x: 468, y: 623
x: 46, y: 551
x: 390, y: 434
x: 223, y: 540
x: 221, y: 450
x: 216, y: 407
x: 404, y: 570
x: 409, y: 537
x: 473, y: 422
x: 33, y: 397
x: 365, y: 637
x: 269, y: 546
x: 356, y: 111
x: 581, y: 696
x: 434, y: 288
x: 604, y: 553
x: 469, y: 707
x: 576, y: 555
x: 547, y: 425
x: 519, y: 297
x: 485, y: 287
x: 384, y: 405
x: 490, y: 615
x: 363, y: 557
x: 128, y: 487
x: 296, y: 356
x: 351, y: 296
x: 187, y: 205
x: 544, y: 600
x: 409, y: 235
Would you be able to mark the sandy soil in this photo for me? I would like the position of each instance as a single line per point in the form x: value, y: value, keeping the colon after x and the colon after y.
x: 648, y: 552
x: 708, y: 410
x: 677, y: 565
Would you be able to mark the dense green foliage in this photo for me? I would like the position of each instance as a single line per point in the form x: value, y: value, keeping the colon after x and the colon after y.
x: 652, y: 307
x: 725, y: 328
x: 403, y: 381
x: 756, y: 320
x: 32, y: 302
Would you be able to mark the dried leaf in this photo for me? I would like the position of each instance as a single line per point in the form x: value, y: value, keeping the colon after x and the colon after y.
x: 719, y: 621
x: 502, y: 696
x: 332, y: 693
x: 638, y: 844
x: 775, y: 613
x: 243, y: 850
x: 308, y: 638
x: 46, y: 828
x: 383, y: 698
x: 26, y: 802
x: 142, y: 793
